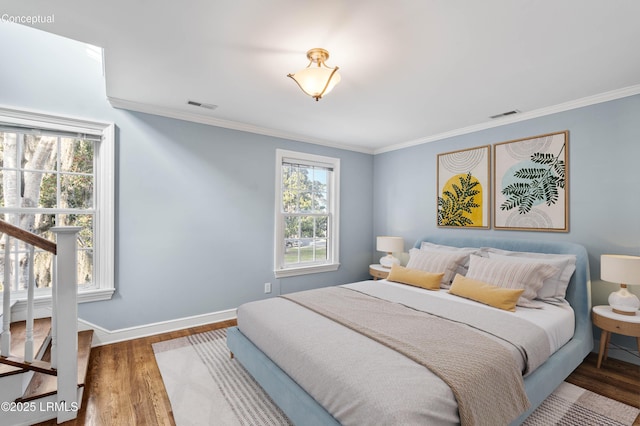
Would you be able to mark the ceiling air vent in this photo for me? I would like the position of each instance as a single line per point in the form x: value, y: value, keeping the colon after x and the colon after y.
x: 504, y: 114
x: 201, y: 105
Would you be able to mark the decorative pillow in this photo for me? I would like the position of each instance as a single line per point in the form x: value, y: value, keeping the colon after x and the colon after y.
x: 553, y: 287
x: 436, y: 262
x: 462, y: 267
x: 415, y: 277
x: 492, y: 295
x: 515, y: 275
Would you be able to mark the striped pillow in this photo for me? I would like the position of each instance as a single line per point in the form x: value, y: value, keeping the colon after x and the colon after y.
x: 514, y: 275
x: 436, y: 262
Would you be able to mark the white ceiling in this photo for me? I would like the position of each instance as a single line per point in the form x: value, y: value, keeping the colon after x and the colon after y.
x: 412, y: 70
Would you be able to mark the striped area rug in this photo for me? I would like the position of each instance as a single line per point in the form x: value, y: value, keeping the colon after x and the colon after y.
x: 207, y: 387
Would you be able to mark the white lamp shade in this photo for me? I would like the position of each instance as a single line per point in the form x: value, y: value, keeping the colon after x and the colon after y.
x: 390, y: 244
x: 313, y: 79
x: 621, y: 269
x: 624, y: 270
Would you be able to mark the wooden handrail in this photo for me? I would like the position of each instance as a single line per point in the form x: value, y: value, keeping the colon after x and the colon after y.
x: 28, y: 237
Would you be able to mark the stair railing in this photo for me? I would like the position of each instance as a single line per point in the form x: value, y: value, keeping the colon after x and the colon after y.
x: 64, y: 316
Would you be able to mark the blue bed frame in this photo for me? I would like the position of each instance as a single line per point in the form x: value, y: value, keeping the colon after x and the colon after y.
x: 301, y: 408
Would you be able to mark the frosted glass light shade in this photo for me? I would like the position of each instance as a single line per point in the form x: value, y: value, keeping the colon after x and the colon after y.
x: 313, y: 80
x: 317, y: 79
x: 389, y: 245
x: 624, y: 270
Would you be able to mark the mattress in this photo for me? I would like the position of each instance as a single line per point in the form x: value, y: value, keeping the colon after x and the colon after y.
x: 557, y: 320
x: 358, y: 380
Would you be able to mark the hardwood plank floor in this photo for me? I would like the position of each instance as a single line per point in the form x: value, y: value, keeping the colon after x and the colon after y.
x: 124, y: 384
x: 125, y: 387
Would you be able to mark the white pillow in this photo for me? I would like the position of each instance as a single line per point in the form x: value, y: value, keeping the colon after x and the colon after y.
x: 462, y: 267
x: 508, y: 274
x: 554, y: 287
x: 437, y: 262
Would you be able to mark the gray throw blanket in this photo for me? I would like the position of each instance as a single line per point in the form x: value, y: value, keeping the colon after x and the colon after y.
x: 483, y: 376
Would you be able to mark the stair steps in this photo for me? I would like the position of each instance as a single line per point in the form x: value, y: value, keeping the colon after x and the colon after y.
x: 43, y: 382
x: 41, y: 334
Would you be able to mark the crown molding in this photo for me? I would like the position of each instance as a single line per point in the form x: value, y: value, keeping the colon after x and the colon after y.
x: 566, y: 106
x: 227, y: 124
x: 244, y: 127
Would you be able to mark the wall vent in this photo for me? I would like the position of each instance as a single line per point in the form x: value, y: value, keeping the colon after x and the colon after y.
x: 504, y: 114
x: 201, y: 105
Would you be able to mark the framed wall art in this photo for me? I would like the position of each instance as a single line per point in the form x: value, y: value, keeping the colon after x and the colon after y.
x: 531, y: 183
x: 463, y: 188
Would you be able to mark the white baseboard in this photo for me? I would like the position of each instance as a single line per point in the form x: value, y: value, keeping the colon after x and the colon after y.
x: 103, y: 336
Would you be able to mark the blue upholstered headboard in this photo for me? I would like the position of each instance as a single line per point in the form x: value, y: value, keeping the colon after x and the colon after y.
x: 546, y: 378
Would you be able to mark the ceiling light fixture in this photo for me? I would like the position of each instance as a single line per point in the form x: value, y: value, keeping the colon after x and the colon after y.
x: 316, y: 80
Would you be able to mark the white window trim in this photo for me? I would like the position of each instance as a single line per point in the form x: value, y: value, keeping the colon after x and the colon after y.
x: 334, y: 202
x: 104, y: 263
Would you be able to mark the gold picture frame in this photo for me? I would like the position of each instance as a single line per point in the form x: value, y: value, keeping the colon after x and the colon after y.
x: 531, y: 183
x: 463, y: 185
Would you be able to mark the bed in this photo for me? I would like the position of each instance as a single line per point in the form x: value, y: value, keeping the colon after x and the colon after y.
x: 275, y: 318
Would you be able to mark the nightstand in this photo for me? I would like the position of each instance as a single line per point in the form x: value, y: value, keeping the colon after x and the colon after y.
x: 610, y: 322
x: 378, y: 271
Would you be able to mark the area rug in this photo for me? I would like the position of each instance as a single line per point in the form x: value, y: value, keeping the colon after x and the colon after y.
x: 207, y: 387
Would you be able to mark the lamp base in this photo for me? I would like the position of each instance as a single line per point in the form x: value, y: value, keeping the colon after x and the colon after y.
x: 623, y: 302
x: 388, y: 261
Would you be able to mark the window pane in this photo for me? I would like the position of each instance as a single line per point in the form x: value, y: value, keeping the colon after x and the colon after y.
x: 291, y: 227
x: 76, y: 191
x: 39, y: 152
x: 307, y: 227
x: 85, y: 267
x: 38, y: 190
x: 291, y: 255
x: 9, y: 189
x: 76, y: 155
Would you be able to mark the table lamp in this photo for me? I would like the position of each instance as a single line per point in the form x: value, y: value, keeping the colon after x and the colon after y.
x: 624, y: 270
x: 389, y: 245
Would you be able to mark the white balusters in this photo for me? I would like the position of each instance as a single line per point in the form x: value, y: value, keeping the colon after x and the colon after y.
x: 5, y: 339
x: 31, y: 283
x: 54, y: 314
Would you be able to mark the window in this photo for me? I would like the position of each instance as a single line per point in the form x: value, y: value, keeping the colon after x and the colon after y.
x: 307, y: 206
x: 56, y: 171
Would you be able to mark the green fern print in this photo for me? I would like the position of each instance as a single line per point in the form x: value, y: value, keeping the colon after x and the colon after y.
x: 543, y: 183
x: 453, y: 206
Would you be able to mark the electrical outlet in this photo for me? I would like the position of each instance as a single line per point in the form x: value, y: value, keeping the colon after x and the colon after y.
x: 267, y: 287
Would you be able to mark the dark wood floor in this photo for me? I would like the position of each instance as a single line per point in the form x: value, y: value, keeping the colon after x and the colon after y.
x: 125, y: 386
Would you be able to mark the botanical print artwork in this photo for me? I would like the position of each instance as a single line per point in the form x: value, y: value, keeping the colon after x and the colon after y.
x: 531, y: 183
x: 463, y: 188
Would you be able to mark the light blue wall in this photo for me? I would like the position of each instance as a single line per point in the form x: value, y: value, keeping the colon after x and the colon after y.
x: 194, y: 203
x: 178, y: 187
x: 604, y: 196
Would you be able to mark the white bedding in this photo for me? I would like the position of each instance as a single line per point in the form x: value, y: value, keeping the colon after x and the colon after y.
x: 557, y: 320
x: 348, y: 373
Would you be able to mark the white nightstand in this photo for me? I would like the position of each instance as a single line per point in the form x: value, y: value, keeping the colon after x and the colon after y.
x: 378, y: 271
x: 610, y: 322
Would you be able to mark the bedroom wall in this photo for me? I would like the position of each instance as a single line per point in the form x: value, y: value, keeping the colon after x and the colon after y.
x: 604, y: 200
x: 194, y: 203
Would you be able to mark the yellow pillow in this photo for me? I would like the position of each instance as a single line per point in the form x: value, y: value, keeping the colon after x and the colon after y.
x: 492, y: 295
x: 415, y: 277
